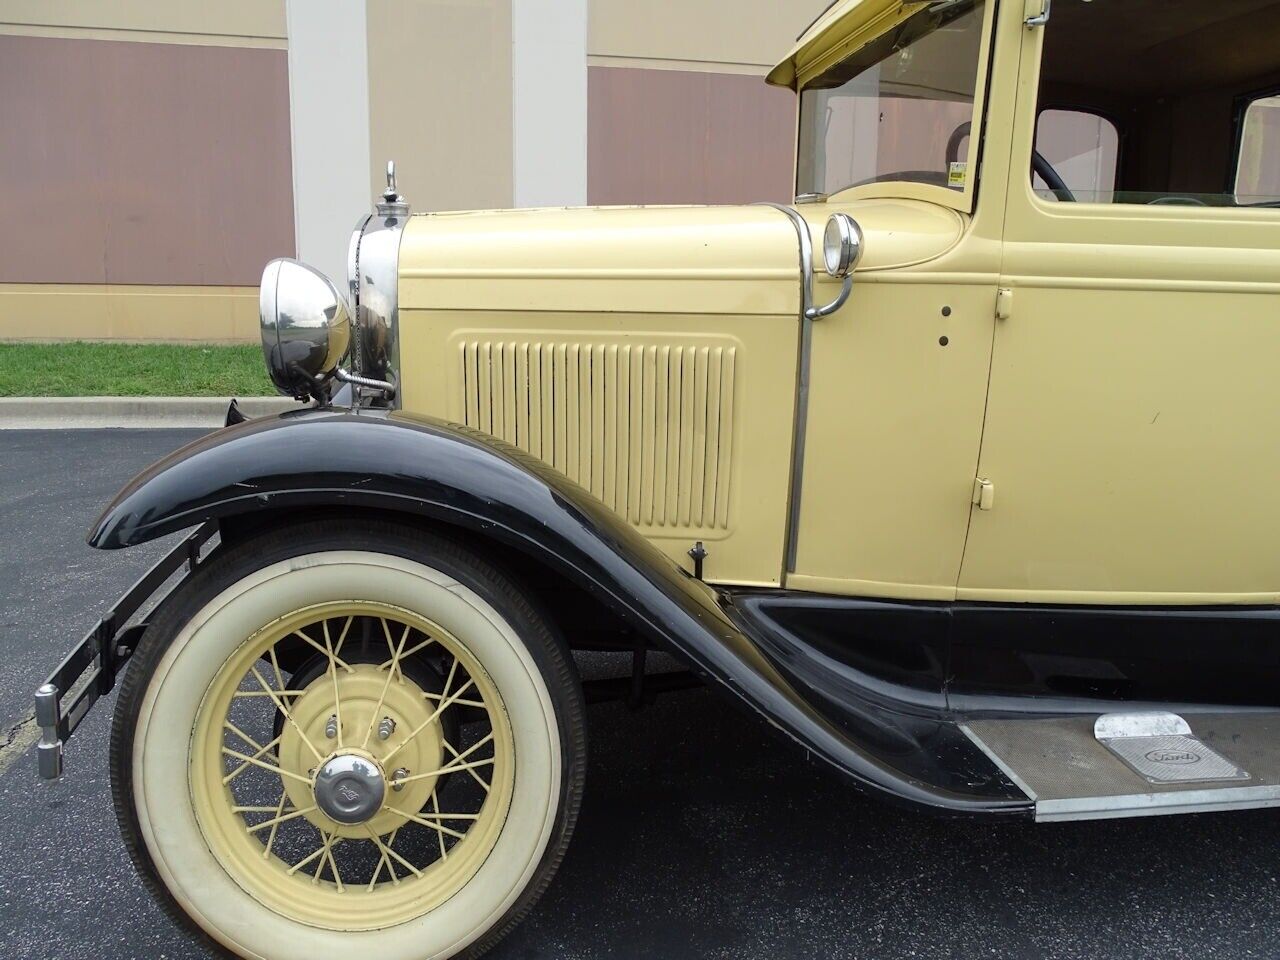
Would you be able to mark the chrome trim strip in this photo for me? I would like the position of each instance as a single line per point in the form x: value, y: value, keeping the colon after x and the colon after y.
x: 353, y: 283
x: 1158, y: 804
x: 1004, y: 768
x: 801, y: 419
x: 808, y: 313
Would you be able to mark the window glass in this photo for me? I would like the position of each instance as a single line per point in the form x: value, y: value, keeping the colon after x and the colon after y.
x: 1258, y: 165
x: 1083, y: 148
x: 1170, y: 82
x: 897, y: 109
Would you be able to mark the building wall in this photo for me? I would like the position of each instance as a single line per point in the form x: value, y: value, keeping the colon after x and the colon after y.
x: 158, y: 152
x: 145, y: 168
x: 679, y: 110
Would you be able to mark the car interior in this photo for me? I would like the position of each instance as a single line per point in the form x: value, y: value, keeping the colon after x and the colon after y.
x: 1160, y: 101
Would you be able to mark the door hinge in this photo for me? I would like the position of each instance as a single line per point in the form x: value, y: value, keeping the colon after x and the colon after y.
x: 984, y: 493
x: 1036, y: 12
x: 1004, y: 303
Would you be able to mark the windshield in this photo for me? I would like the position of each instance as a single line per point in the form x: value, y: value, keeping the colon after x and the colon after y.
x: 898, y: 109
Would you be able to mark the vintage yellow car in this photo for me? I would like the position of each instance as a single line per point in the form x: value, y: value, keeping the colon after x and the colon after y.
x: 958, y: 471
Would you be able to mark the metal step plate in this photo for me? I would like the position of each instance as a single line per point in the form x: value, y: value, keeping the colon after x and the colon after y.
x: 1082, y: 767
x: 1160, y: 748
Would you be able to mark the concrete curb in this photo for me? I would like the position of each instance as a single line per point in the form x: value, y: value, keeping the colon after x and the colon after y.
x: 72, y: 413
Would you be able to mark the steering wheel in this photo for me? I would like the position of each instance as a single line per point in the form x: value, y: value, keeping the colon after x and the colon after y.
x: 1044, y: 170
x: 954, y: 141
x: 1176, y: 201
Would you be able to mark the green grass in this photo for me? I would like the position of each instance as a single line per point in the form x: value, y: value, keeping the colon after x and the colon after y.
x: 131, y: 370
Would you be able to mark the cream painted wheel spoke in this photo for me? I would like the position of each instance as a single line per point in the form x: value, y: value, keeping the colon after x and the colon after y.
x: 416, y: 648
x: 391, y: 672
x: 439, y: 828
x: 470, y: 770
x: 250, y: 760
x: 260, y: 763
x: 384, y: 861
x: 271, y: 839
x: 284, y: 818
x: 453, y: 766
x: 319, y: 649
x: 310, y: 858
x: 443, y: 704
x: 327, y: 858
x: 435, y: 805
x: 333, y: 673
x: 285, y: 710
x: 246, y: 738
x: 391, y: 853
x: 454, y: 700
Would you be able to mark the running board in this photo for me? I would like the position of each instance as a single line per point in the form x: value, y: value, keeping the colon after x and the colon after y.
x: 1137, y: 764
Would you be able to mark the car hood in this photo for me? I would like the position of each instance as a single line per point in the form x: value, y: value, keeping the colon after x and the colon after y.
x: 691, y: 259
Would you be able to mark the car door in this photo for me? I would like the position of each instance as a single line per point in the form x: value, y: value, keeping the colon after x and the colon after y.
x: 891, y: 411
x: 1131, y: 437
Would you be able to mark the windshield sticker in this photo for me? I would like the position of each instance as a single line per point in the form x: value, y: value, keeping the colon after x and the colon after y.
x: 956, y: 174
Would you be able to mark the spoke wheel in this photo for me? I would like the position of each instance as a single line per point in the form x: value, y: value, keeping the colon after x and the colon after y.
x: 287, y: 816
x: 322, y: 749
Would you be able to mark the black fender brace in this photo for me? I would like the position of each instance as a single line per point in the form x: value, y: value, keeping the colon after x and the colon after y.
x: 452, y: 475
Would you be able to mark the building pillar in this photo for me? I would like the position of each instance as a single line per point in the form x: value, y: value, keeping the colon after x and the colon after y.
x: 329, y: 119
x: 549, y: 102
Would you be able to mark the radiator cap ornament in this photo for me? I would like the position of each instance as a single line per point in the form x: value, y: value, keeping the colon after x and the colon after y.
x: 392, y: 206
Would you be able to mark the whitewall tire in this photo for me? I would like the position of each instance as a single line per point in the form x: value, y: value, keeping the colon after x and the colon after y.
x: 348, y: 741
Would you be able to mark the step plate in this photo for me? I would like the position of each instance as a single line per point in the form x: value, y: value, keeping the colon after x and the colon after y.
x: 1070, y: 768
x: 1174, y: 759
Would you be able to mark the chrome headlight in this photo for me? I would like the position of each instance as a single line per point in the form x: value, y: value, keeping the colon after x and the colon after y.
x: 306, y: 326
x: 841, y: 245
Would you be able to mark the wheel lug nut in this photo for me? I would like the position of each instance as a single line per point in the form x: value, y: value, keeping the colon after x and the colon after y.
x: 386, y: 728
x: 331, y: 727
x: 399, y: 774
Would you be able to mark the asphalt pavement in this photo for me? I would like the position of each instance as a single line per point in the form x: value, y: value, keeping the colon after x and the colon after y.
x: 702, y: 834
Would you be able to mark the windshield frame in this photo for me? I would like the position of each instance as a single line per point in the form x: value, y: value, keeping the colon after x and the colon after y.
x: 963, y: 199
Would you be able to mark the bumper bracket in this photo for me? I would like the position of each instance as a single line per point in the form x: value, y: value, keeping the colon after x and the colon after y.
x: 89, y: 670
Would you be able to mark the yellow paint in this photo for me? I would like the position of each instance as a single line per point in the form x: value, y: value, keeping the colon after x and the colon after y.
x: 895, y: 417
x: 845, y: 27
x: 648, y: 354
x: 1132, y: 399
x: 1109, y: 368
x: 67, y: 311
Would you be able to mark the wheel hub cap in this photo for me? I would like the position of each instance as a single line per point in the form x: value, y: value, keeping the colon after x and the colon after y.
x: 350, y: 789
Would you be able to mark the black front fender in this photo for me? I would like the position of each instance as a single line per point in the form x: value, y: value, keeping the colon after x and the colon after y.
x: 330, y: 457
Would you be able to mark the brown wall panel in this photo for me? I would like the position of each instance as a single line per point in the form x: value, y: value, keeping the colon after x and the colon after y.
x: 142, y: 163
x: 674, y: 136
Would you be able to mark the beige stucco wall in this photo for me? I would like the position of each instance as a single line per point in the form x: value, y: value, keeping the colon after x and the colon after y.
x: 227, y: 22
x: 440, y: 100
x: 742, y: 36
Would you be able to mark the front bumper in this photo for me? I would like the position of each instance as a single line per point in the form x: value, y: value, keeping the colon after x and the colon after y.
x: 89, y: 670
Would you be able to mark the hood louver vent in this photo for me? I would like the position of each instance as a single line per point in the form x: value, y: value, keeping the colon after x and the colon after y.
x: 646, y: 427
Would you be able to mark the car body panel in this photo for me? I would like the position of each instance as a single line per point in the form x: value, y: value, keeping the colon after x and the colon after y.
x: 467, y: 480
x: 646, y: 353
x: 1132, y: 402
